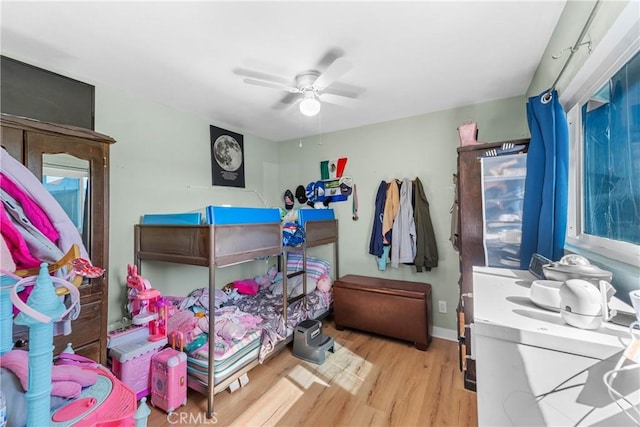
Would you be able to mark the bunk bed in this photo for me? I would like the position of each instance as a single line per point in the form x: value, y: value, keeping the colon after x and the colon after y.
x: 220, y: 245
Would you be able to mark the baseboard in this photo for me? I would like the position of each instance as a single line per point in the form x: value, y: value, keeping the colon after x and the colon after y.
x: 445, y: 334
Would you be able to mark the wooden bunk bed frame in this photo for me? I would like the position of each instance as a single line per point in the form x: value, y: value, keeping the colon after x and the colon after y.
x: 216, y: 246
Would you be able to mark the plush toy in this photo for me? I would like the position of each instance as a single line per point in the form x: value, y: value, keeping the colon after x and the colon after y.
x: 324, y: 283
x: 135, y: 285
x: 229, y: 288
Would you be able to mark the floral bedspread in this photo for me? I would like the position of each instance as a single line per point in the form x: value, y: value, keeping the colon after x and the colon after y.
x: 269, y: 307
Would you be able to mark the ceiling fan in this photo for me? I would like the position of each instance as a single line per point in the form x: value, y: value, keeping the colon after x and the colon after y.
x: 310, y: 87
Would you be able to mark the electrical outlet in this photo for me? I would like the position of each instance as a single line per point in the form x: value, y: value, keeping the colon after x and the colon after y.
x: 442, y: 306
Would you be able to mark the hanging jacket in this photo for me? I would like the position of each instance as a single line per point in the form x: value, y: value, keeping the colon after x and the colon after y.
x: 375, y: 243
x: 391, y: 206
x: 426, y: 249
x: 403, y: 236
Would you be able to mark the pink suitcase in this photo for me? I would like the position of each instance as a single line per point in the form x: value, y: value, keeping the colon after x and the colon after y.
x: 169, y: 379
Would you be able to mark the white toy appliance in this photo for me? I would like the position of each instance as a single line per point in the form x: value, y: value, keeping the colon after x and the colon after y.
x: 583, y: 305
x: 574, y: 266
x: 546, y: 294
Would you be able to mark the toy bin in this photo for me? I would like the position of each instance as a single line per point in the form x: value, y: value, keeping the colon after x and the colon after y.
x: 169, y: 379
x: 237, y: 215
x: 131, y: 364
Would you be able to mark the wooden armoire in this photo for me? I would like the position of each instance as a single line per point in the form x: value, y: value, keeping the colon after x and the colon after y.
x: 470, y: 242
x: 29, y: 141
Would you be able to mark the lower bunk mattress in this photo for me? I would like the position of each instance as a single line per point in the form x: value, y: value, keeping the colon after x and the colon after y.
x: 258, y: 317
x: 239, y: 355
x: 269, y: 307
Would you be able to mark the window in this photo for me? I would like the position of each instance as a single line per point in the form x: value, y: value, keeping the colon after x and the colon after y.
x: 603, y: 104
x: 611, y: 157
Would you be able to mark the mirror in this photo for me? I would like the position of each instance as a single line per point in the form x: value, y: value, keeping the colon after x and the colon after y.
x: 66, y: 177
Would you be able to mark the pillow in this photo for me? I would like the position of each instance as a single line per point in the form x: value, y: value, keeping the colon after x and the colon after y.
x: 246, y: 286
x: 316, y: 267
x: 68, y: 389
x: 276, y: 289
x: 294, y: 286
x: 311, y: 286
x: 63, y: 381
x: 84, y: 377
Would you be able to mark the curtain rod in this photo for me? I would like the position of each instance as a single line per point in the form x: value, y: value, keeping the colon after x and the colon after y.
x: 547, y: 96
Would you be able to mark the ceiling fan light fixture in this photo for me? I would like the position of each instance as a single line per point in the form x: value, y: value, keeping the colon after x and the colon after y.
x: 309, y: 106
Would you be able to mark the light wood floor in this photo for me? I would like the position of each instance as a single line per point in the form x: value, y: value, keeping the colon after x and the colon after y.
x: 369, y: 380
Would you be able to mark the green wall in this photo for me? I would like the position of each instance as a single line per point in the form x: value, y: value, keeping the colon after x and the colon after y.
x: 161, y: 163
x: 422, y: 146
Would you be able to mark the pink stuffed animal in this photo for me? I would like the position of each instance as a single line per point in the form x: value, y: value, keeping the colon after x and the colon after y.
x: 136, y: 284
x: 324, y: 283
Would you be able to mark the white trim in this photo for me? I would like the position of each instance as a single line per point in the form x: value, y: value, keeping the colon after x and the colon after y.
x: 445, y: 334
x: 574, y: 209
x: 624, y: 252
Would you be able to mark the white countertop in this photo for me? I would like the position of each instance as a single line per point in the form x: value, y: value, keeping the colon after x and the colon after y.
x: 503, y: 310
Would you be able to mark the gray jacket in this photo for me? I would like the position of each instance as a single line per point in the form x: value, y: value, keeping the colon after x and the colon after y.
x: 403, y: 236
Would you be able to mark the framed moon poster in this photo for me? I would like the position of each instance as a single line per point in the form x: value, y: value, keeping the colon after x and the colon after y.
x: 227, y: 158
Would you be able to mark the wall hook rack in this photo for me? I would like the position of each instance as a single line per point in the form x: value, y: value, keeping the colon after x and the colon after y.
x: 572, y: 49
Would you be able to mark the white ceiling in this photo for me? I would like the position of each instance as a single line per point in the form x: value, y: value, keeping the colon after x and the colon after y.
x: 408, y: 58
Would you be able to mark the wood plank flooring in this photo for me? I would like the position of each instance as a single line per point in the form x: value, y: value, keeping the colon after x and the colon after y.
x: 368, y: 381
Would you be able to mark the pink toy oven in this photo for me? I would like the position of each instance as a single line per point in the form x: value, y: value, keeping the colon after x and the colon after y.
x: 131, y: 363
x: 169, y: 379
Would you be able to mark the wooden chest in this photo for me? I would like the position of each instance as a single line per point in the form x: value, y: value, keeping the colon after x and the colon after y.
x: 394, y: 308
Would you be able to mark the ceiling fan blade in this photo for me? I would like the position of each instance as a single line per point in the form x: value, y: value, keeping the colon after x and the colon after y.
x: 329, y: 58
x: 258, y: 75
x: 339, y: 67
x: 330, y: 98
x: 286, y: 101
x: 290, y: 98
x: 274, y: 85
x: 346, y: 91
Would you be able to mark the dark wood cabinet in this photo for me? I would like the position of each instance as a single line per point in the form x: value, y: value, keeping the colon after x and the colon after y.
x: 29, y: 141
x: 469, y: 188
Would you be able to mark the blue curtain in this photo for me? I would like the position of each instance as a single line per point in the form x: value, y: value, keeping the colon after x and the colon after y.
x: 544, y: 217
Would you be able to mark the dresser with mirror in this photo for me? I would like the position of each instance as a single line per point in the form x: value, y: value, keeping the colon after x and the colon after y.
x: 80, y: 157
